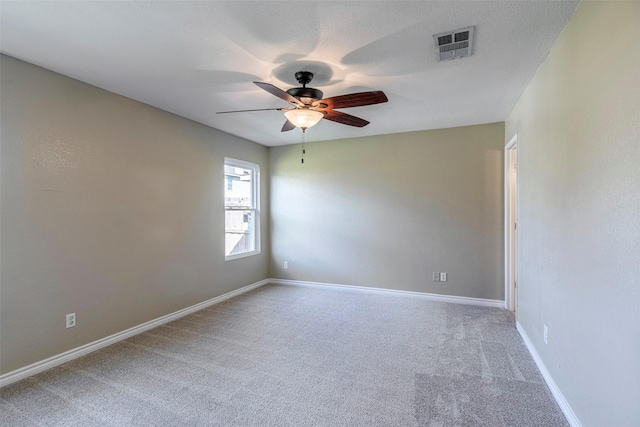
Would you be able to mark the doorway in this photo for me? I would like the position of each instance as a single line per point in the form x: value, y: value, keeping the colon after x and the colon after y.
x: 511, y: 224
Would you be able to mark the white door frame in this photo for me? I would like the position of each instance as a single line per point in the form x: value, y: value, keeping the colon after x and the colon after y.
x: 510, y: 224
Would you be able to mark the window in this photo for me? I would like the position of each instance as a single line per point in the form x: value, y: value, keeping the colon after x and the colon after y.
x: 242, y: 209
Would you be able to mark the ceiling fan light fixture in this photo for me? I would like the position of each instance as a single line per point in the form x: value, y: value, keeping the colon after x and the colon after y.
x: 303, y: 117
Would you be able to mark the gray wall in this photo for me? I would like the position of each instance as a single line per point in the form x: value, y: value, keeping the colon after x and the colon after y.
x: 110, y: 209
x: 387, y: 211
x: 578, y: 126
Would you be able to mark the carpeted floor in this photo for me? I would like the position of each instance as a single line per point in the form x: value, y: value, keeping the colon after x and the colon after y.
x: 301, y: 356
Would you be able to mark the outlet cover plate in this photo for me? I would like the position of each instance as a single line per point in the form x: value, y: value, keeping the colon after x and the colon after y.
x: 71, y: 320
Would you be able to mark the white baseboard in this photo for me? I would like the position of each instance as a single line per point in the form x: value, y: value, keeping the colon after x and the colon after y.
x: 431, y: 297
x: 571, y: 417
x: 59, y: 359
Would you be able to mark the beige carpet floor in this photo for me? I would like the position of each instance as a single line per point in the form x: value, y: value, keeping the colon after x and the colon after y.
x: 301, y: 356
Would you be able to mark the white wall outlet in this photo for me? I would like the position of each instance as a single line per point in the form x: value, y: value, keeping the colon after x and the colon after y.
x: 286, y: 265
x: 71, y: 320
x: 443, y: 277
x: 436, y: 277
x: 546, y: 334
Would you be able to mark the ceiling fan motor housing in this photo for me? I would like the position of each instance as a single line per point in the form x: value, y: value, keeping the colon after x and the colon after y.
x: 305, y: 92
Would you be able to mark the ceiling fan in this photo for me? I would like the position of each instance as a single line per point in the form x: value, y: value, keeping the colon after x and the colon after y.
x: 308, y: 107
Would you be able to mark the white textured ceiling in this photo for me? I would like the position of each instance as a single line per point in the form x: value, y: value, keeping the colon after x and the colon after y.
x: 196, y: 58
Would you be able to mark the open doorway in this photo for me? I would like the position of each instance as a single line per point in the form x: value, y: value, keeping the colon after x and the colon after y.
x: 511, y: 224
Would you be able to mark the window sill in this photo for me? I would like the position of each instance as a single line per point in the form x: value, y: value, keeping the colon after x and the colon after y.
x: 242, y: 255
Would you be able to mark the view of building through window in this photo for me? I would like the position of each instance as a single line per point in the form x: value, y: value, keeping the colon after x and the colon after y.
x: 241, y: 208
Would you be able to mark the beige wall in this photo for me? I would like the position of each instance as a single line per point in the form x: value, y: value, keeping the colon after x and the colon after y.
x: 578, y: 126
x: 388, y: 211
x: 110, y: 209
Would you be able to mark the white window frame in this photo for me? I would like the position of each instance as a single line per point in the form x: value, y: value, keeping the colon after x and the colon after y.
x: 255, y: 204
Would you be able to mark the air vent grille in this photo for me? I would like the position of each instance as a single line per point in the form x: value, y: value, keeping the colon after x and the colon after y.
x: 454, y: 44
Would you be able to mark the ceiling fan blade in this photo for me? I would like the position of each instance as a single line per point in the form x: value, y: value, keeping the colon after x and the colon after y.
x: 279, y: 93
x: 288, y: 126
x: 344, y: 118
x: 256, y: 109
x: 353, y: 100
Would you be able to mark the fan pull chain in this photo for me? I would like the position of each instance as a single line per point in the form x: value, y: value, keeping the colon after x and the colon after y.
x: 303, y: 150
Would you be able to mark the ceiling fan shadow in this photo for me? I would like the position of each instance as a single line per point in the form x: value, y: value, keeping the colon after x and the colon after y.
x: 404, y: 52
x: 260, y: 28
x: 324, y: 74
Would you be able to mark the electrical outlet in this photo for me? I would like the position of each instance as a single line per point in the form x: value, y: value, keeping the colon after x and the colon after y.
x: 443, y: 277
x: 286, y: 265
x: 71, y: 320
x: 436, y: 277
x: 546, y: 334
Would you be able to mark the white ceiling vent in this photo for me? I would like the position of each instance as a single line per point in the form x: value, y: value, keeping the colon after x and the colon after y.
x: 454, y: 44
